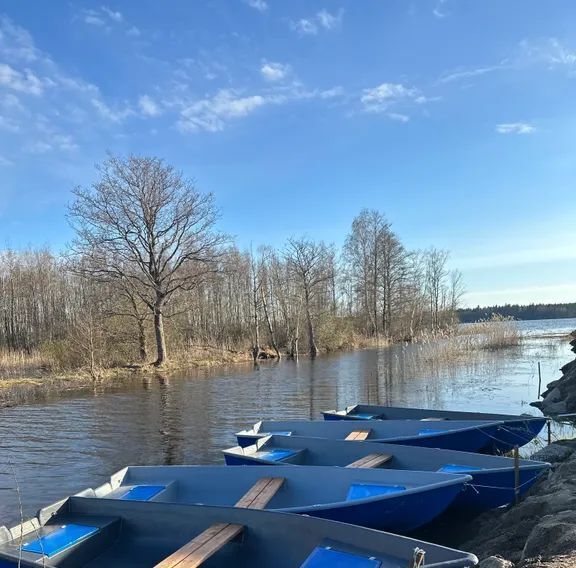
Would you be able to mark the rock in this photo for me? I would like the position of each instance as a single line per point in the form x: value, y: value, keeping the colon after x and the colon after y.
x: 568, y: 367
x: 495, y: 562
x: 552, y: 453
x: 552, y: 536
x: 555, y: 395
x: 553, y: 407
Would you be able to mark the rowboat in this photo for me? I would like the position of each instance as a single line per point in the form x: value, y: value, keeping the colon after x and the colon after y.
x: 384, y: 499
x: 467, y: 436
x: 110, y: 533
x: 518, y: 430
x: 493, y: 477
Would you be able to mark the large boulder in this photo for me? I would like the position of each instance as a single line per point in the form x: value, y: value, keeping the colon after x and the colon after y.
x: 495, y: 562
x: 552, y: 536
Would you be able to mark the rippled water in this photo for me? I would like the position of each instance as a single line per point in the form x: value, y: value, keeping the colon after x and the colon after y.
x: 57, y: 447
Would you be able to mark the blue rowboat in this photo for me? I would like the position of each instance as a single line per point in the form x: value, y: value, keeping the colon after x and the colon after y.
x: 393, y: 500
x: 493, y: 477
x: 111, y: 533
x: 518, y: 430
x: 466, y: 436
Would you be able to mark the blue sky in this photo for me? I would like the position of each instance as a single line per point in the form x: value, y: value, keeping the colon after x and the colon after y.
x: 456, y: 118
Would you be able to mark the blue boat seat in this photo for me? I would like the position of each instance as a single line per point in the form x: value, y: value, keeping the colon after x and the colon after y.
x: 60, y: 539
x: 276, y: 433
x: 365, y: 490
x: 142, y: 492
x: 275, y: 454
x: 323, y: 557
x: 455, y: 468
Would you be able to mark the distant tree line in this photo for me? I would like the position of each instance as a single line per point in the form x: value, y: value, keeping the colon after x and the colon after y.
x: 149, y: 275
x: 519, y: 312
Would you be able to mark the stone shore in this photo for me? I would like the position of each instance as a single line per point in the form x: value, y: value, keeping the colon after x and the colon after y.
x: 540, y: 531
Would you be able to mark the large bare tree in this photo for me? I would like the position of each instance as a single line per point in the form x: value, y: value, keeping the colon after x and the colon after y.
x: 146, y: 226
x: 311, y: 263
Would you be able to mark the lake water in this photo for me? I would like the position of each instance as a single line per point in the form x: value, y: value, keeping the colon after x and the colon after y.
x: 52, y: 448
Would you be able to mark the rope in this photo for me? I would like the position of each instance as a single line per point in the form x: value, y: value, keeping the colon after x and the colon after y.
x: 417, y: 560
x: 529, y: 481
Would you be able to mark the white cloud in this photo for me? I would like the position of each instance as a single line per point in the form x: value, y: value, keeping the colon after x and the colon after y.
x: 515, y: 128
x: 460, y: 74
x: 16, y: 44
x: 23, y: 81
x: 260, y: 5
x: 274, y: 71
x: 322, y: 20
x: 382, y: 97
x: 93, y: 18
x: 116, y: 16
x: 305, y: 27
x: 550, y: 51
x: 112, y: 114
x: 398, y: 117
x: 329, y: 21
x: 148, y: 106
x: 104, y: 17
x: 4, y: 162
x: 212, y: 113
x: 438, y: 10
x: 133, y: 32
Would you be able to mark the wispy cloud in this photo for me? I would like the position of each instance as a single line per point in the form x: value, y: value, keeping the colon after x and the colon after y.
x: 322, y: 20
x: 113, y: 15
x: 23, y: 81
x: 379, y: 99
x: 213, y: 113
x: 274, y: 71
x: 462, y: 73
x: 16, y: 43
x: 260, y: 5
x: 148, y: 106
x: 549, y: 51
x: 515, y: 128
x: 439, y: 9
x: 108, y: 19
x: 101, y: 17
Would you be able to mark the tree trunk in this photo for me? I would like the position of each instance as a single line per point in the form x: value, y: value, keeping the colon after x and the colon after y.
x: 142, y: 340
x: 159, y: 333
x: 270, y: 326
x: 311, y: 338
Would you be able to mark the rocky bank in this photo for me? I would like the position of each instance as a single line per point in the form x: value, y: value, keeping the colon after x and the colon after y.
x: 541, y: 530
x: 560, y: 396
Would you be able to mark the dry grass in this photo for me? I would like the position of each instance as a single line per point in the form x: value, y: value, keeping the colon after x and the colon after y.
x: 17, y: 364
x: 496, y: 333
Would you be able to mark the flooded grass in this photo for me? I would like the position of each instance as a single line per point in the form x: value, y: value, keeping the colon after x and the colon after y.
x: 491, y: 335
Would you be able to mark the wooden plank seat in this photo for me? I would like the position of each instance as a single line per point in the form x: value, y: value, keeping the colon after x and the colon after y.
x: 371, y: 460
x: 207, y: 543
x: 358, y: 435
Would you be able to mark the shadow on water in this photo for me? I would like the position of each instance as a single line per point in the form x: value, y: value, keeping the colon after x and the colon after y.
x: 62, y: 444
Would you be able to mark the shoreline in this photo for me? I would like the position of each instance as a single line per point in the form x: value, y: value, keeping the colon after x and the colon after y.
x: 538, y: 532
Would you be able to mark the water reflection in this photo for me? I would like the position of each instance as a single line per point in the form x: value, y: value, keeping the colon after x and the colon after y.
x: 62, y: 444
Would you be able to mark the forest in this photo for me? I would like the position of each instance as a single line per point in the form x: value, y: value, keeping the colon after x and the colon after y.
x: 149, y: 278
x: 518, y: 312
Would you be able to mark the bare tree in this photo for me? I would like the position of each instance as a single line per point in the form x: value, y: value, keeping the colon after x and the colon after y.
x: 309, y: 262
x: 143, y: 224
x: 435, y: 262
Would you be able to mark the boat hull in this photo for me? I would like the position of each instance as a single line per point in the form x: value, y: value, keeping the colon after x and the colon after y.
x: 517, y: 430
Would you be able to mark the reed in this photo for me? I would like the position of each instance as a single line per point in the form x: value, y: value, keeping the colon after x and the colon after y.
x: 489, y: 335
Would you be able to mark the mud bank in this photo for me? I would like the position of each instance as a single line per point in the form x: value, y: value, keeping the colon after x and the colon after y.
x: 541, y: 530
